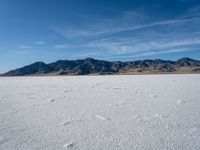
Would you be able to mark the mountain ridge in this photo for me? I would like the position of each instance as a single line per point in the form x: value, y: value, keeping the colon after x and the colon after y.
x: 94, y: 66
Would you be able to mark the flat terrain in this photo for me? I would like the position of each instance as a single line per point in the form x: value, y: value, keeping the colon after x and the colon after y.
x: 154, y: 112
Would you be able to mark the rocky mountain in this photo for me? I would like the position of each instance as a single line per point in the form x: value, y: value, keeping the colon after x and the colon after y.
x: 92, y: 66
x: 36, y: 68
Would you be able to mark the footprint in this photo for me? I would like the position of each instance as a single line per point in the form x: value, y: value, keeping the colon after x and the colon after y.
x: 4, y: 97
x: 69, y: 144
x: 70, y: 121
x: 116, y: 88
x: 52, y: 100
x: 66, y: 123
x: 180, y: 102
x: 155, y: 116
x: 153, y: 95
x: 137, y: 117
x: 102, y: 118
x: 118, y: 104
x: 30, y: 94
x: 165, y: 116
x: 96, y: 85
x: 184, y: 135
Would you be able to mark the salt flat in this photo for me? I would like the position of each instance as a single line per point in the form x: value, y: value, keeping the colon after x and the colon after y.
x: 154, y: 112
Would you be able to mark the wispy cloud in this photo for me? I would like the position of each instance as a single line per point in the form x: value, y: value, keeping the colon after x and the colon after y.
x: 168, y: 51
x: 60, y: 46
x: 113, y: 27
x: 23, y: 46
x: 30, y: 44
x: 21, y: 52
x: 90, y: 54
x: 131, y: 46
x: 39, y: 42
x: 148, y: 53
x: 98, y: 27
x: 126, y: 35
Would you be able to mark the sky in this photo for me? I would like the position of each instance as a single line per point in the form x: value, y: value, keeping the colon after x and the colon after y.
x: 50, y: 30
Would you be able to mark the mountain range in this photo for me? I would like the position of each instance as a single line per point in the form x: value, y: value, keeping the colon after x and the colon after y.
x: 90, y: 66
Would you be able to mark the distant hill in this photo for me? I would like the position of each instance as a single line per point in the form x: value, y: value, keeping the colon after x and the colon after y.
x: 92, y: 66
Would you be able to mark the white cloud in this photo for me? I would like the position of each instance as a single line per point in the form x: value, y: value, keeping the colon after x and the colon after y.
x: 107, y: 27
x: 60, y: 46
x: 90, y: 54
x: 132, y: 46
x: 167, y: 51
x: 39, y: 42
x: 112, y: 36
x: 24, y: 46
x: 149, y: 53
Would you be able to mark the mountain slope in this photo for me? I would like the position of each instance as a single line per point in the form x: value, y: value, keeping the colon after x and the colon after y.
x: 93, y: 66
x: 35, y: 68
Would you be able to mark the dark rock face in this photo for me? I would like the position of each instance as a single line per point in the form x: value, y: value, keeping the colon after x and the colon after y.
x: 36, y: 68
x: 89, y: 66
x: 64, y: 64
x: 186, y: 62
x: 93, y: 66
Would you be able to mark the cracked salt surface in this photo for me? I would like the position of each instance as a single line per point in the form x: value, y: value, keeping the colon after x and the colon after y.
x: 100, y: 112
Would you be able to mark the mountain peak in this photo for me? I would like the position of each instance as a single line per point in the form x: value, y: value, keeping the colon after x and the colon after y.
x: 185, y: 59
x: 186, y: 62
x: 89, y: 58
x: 92, y: 66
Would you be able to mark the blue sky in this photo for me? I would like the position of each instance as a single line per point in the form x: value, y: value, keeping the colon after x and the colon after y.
x: 48, y: 30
